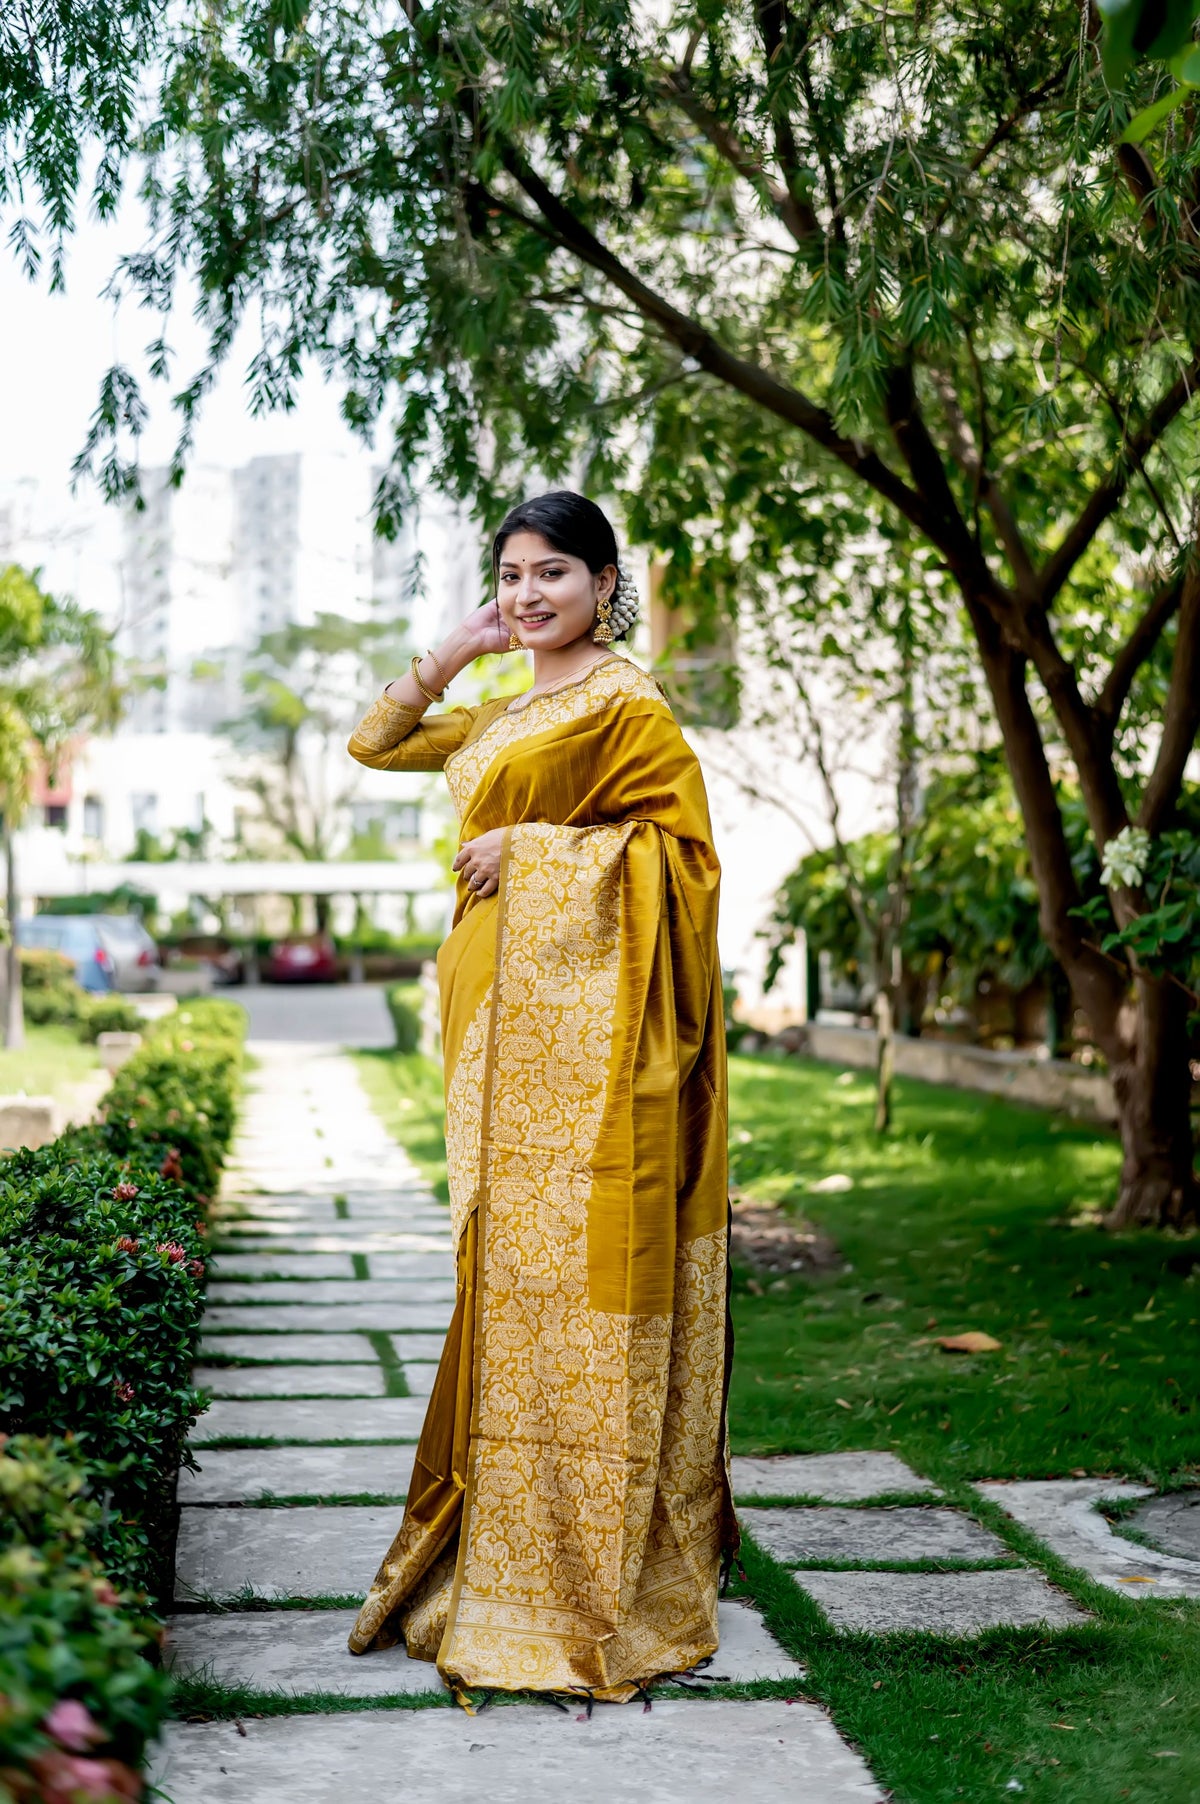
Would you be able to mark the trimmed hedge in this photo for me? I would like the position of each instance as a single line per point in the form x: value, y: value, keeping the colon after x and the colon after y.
x: 101, y: 1292
x: 78, y: 1699
x: 406, y: 1017
x: 179, y: 1091
x: 51, y: 996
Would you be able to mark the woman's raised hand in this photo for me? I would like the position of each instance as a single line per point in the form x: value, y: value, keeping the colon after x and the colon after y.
x: 478, y: 860
x: 484, y: 630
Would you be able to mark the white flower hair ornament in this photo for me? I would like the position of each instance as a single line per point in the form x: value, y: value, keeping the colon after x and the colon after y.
x: 615, y: 614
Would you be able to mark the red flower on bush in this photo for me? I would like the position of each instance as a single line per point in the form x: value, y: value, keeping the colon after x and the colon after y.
x: 72, y: 1726
x: 65, y: 1778
x: 105, y: 1593
x: 125, y: 1193
x: 171, y: 1166
x: 126, y: 1245
x: 124, y: 1392
x: 196, y: 1267
x: 175, y: 1253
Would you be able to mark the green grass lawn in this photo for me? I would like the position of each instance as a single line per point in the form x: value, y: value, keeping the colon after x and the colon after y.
x: 53, y: 1059
x: 958, y: 1220
x: 961, y: 1219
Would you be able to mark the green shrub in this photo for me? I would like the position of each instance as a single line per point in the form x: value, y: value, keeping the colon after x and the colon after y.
x: 101, y: 1273
x: 78, y: 1701
x: 417, y: 946
x: 101, y: 1278
x: 101, y: 1292
x: 108, y: 1015
x: 49, y: 991
x: 406, y: 1017
x: 179, y: 1091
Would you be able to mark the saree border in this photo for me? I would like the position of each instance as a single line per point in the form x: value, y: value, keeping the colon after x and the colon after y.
x: 480, y: 1212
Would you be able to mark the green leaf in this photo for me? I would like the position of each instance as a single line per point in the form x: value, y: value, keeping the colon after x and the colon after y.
x: 1150, y: 117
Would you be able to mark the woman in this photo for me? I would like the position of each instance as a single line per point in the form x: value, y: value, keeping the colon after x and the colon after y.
x: 569, y: 1505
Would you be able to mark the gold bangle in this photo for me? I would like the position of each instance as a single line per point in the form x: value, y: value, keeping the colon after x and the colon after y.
x: 425, y: 690
x: 433, y: 659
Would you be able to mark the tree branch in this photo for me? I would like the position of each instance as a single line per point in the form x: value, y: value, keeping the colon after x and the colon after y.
x: 563, y: 228
x: 1099, y: 989
x: 1181, y: 718
x: 967, y: 455
x: 796, y: 215
x: 1107, y: 497
x: 925, y: 464
x: 1133, y: 654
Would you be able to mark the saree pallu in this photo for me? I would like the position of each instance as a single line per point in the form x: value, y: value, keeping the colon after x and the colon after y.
x: 570, y: 1505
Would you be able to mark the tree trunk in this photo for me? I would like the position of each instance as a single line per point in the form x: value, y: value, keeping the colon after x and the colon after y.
x: 885, y: 1064
x: 14, y: 1002
x: 1153, y: 1091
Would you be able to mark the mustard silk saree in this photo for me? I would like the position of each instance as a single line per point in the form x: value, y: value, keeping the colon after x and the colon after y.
x: 570, y: 1506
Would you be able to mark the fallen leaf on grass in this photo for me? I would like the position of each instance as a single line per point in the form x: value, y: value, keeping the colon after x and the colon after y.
x: 1165, y: 1754
x: 842, y: 1403
x: 971, y: 1342
x: 835, y: 1182
x: 1062, y: 1725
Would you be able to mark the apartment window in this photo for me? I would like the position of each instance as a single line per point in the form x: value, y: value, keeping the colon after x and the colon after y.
x: 93, y: 817
x: 56, y: 814
x: 144, y: 808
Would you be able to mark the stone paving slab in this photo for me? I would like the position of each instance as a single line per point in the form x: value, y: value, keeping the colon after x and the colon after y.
x: 308, y: 1551
x: 301, y: 1653
x: 292, y: 1381
x: 289, y: 1348
x: 1173, y: 1521
x: 281, y: 1265
x: 318, y: 1213
x: 414, y: 1265
x: 890, y: 1535
x: 246, y: 1474
x: 1062, y: 1513
x: 334, y: 1290
x: 419, y: 1379
x: 938, y: 1603
x: 293, y: 1651
x: 680, y: 1753
x: 368, y: 1419
x: 329, y: 1318
x: 338, y: 1237
x: 325, y: 1348
x: 835, y: 1477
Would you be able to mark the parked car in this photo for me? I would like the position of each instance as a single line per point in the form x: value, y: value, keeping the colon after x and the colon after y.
x: 110, y: 952
x: 308, y: 958
x: 215, y: 950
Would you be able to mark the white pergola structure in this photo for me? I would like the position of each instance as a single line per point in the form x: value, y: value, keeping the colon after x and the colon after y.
x: 230, y: 877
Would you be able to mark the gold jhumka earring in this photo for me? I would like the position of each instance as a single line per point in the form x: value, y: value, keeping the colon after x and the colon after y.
x: 514, y: 644
x: 603, y: 634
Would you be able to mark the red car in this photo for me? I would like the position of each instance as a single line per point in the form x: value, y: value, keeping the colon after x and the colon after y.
x: 305, y: 959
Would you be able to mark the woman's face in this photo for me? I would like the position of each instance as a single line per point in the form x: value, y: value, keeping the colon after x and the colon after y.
x: 547, y: 597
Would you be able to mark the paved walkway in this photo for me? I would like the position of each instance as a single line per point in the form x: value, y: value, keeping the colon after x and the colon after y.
x: 331, y: 1288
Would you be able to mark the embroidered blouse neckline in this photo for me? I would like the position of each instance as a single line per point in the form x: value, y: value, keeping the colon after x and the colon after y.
x: 599, y: 664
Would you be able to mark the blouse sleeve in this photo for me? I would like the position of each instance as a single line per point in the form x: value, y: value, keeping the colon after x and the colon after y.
x: 393, y: 736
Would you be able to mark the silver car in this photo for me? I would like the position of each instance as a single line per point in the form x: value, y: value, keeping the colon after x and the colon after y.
x: 110, y: 952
